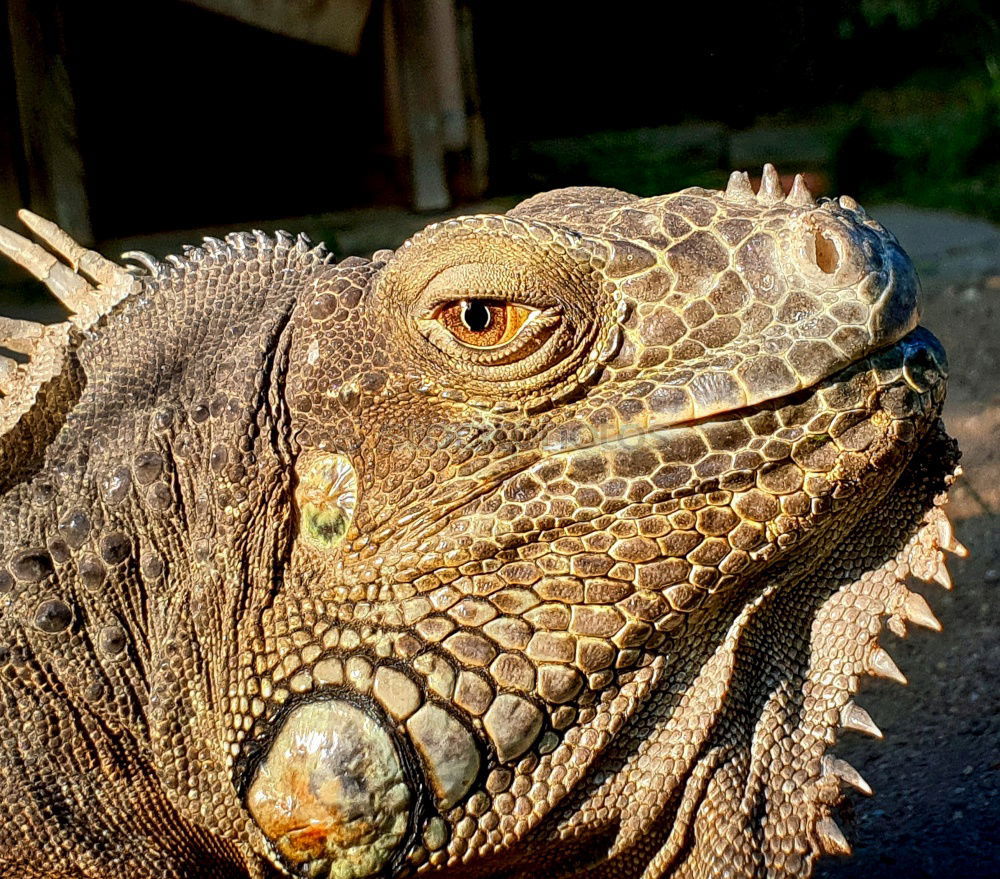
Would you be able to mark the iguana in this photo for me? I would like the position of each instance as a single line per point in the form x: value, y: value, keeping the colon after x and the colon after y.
x: 551, y: 543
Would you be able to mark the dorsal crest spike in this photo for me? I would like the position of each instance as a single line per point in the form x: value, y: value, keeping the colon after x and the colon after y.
x: 881, y: 664
x: 799, y: 196
x: 85, y: 299
x: 770, y: 186
x: 946, y: 537
x: 149, y: 262
x: 831, y: 838
x: 843, y: 771
x: 854, y: 717
x: 917, y: 610
x: 91, y: 263
x: 942, y: 576
x: 738, y: 188
x: 20, y: 335
x: 46, y: 346
x: 8, y: 374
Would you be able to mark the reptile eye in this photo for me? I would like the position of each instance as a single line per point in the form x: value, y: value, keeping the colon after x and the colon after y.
x: 483, y: 323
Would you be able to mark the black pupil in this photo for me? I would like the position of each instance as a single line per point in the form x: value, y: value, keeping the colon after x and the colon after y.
x: 476, y: 316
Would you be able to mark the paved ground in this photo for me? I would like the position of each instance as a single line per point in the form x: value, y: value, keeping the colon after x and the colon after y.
x: 936, y: 810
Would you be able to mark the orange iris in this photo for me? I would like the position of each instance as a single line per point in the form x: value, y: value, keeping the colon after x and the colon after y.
x: 483, y: 323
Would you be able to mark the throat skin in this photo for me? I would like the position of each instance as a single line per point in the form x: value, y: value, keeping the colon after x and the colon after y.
x: 756, y: 784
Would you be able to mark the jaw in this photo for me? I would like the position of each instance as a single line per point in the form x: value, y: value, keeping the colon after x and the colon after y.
x: 716, y: 705
x: 721, y: 757
x: 724, y: 760
x: 768, y: 686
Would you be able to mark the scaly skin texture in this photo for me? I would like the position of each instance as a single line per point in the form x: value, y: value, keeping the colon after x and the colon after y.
x: 315, y: 569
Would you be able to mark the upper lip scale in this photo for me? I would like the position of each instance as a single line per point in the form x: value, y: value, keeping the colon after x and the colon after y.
x: 556, y: 449
x: 552, y: 449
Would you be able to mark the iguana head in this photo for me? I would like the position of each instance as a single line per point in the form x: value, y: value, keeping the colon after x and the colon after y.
x: 579, y: 528
x: 546, y: 463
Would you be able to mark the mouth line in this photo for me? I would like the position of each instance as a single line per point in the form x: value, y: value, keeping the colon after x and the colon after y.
x: 906, y: 345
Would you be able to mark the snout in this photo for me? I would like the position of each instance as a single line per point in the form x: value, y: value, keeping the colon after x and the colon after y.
x: 838, y: 247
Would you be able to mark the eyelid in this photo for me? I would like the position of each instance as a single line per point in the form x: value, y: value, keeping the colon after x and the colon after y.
x: 478, y: 296
x: 484, y: 282
x: 522, y: 299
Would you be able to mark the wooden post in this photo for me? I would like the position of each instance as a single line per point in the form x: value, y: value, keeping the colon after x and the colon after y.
x: 48, y: 115
x: 443, y: 35
x: 421, y: 105
x: 394, y: 115
x: 478, y: 146
x: 11, y: 197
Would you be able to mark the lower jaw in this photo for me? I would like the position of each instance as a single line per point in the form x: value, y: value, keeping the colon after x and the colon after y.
x: 769, y: 675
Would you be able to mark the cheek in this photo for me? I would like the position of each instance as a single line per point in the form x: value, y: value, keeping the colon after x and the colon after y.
x: 333, y: 347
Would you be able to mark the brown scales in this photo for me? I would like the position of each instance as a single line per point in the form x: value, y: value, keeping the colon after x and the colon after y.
x: 606, y: 587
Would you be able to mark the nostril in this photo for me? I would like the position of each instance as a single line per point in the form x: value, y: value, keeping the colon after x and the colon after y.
x: 827, y: 255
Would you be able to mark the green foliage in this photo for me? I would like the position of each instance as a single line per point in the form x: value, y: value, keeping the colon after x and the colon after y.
x: 907, y: 14
x: 938, y: 148
x: 934, y: 139
x: 645, y: 161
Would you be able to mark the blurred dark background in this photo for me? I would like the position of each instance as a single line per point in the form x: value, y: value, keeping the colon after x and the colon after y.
x: 121, y: 118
